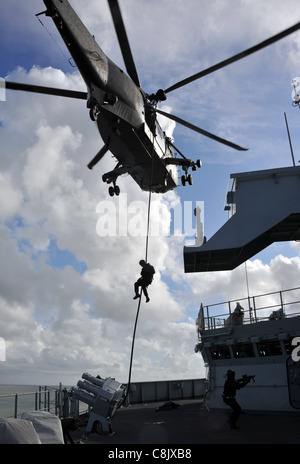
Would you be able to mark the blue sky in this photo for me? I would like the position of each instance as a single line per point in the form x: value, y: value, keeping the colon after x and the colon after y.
x: 66, y: 293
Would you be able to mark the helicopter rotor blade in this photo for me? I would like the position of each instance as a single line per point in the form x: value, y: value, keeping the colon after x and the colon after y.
x: 123, y: 40
x: 46, y: 90
x: 201, y: 131
x: 234, y: 58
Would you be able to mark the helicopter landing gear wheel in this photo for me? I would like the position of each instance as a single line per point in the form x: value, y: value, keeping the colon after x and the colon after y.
x: 114, y: 190
x: 187, y: 178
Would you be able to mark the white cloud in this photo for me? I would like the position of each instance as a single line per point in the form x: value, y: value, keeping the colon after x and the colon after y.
x: 11, y: 197
x: 45, y: 164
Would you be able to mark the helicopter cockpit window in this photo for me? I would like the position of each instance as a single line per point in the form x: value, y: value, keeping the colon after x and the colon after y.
x: 150, y: 117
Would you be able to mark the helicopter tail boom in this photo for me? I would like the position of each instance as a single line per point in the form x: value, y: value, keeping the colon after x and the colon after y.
x: 88, y: 56
x: 102, y: 77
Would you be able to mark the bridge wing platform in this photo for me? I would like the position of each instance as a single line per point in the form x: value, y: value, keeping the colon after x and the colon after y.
x: 264, y: 207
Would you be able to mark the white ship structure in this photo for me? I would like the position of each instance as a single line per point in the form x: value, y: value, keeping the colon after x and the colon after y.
x: 257, y: 336
x: 263, y: 208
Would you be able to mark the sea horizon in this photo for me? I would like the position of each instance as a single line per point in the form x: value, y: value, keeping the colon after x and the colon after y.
x: 26, y: 397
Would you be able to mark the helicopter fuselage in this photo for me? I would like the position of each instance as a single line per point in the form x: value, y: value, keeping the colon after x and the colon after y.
x: 123, y: 112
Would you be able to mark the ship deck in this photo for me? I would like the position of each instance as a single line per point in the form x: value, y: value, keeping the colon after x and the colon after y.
x: 191, y: 424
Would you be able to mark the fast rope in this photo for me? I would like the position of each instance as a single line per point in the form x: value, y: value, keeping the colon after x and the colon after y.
x: 146, y: 256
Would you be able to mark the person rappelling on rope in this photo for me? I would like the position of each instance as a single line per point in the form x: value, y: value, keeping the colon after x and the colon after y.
x: 145, y: 280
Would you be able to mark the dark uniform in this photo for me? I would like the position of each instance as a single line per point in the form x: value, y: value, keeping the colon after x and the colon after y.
x: 146, y: 278
x: 230, y: 387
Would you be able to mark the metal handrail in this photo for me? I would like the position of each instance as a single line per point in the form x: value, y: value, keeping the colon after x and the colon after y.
x: 254, y: 313
x: 41, y: 401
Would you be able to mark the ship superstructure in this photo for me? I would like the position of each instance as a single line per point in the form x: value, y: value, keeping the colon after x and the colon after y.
x: 256, y: 336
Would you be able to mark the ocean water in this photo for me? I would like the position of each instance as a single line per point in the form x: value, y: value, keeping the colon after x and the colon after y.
x: 25, y: 396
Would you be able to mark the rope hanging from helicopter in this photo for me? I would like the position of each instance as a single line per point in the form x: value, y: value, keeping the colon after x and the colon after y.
x: 146, y: 257
x: 51, y: 36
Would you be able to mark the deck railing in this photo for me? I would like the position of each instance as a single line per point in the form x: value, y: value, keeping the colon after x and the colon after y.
x: 62, y: 403
x: 45, y: 399
x: 274, y: 305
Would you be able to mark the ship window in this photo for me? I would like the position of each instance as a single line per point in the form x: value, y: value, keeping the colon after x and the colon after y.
x: 243, y: 350
x: 220, y: 352
x: 269, y: 348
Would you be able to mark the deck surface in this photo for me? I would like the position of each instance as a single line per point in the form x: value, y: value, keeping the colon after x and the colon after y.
x: 191, y: 423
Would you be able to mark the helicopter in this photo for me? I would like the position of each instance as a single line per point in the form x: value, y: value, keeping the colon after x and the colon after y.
x: 126, y: 116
